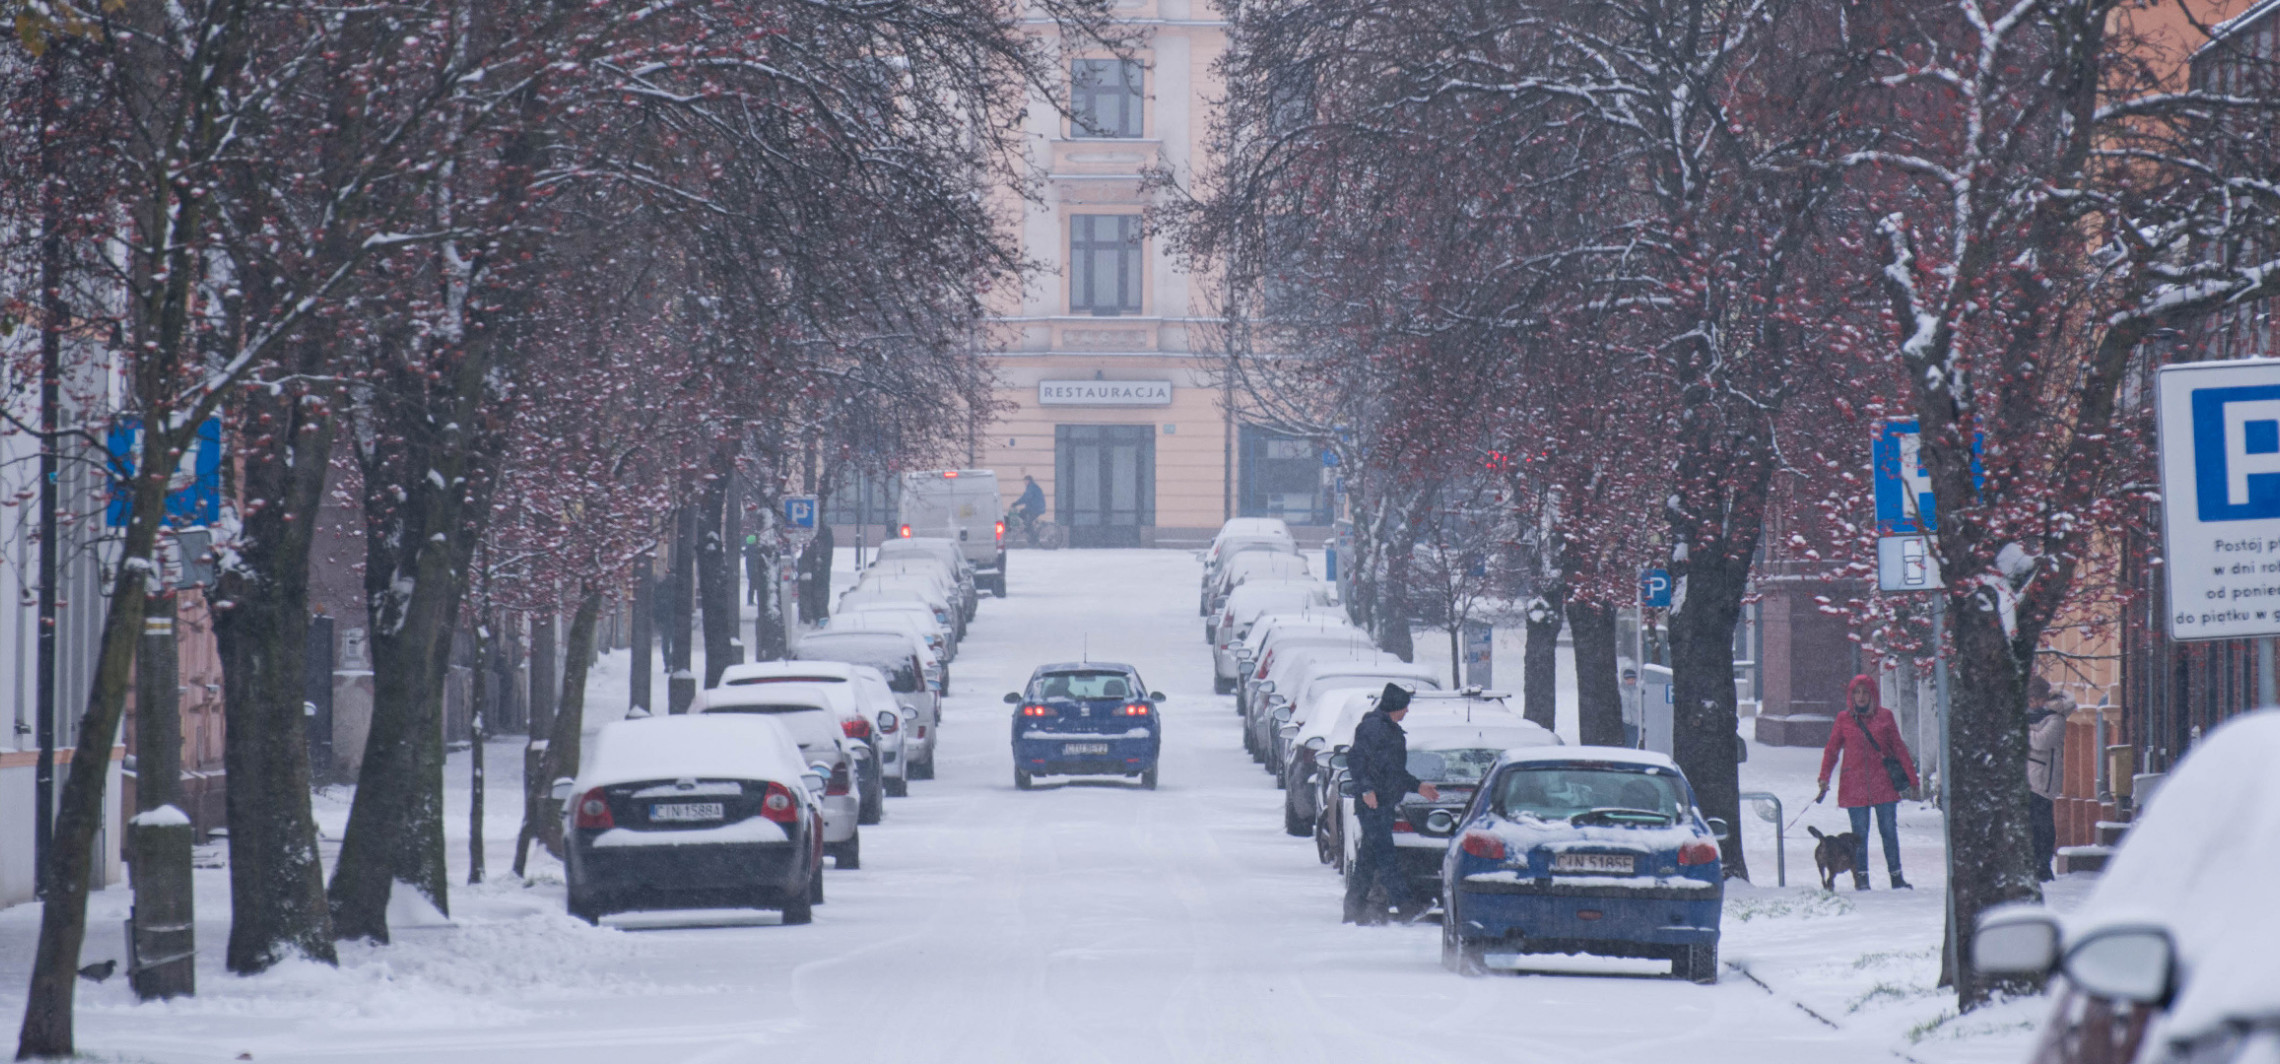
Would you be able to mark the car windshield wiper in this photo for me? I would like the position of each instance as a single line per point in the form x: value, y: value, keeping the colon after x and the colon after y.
x: 1621, y: 817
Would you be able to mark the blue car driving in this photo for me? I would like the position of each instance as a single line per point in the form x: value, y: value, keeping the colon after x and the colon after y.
x: 1091, y: 718
x: 1584, y: 850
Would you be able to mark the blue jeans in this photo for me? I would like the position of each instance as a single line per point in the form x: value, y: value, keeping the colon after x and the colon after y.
x: 1887, y: 824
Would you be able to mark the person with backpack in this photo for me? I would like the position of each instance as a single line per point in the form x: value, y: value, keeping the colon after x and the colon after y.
x: 1866, y: 737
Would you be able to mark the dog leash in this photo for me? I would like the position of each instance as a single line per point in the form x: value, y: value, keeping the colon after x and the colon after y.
x: 1800, y: 816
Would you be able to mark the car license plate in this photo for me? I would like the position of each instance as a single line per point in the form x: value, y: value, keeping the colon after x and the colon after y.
x: 686, y: 811
x: 1623, y: 864
x: 1073, y: 749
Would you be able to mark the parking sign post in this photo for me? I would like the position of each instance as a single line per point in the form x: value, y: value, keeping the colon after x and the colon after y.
x: 2219, y: 437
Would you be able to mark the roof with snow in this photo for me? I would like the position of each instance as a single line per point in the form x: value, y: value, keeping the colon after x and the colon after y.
x: 1619, y: 755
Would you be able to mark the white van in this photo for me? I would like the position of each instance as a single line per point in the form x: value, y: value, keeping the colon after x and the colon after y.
x: 964, y: 507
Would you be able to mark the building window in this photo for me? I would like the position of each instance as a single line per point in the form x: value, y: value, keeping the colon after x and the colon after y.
x: 1281, y: 477
x: 1104, y: 98
x: 1104, y: 264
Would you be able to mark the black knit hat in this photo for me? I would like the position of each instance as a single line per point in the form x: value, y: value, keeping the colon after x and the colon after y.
x: 1393, y: 699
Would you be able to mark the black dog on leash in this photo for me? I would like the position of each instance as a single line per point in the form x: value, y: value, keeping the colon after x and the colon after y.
x: 1834, y: 854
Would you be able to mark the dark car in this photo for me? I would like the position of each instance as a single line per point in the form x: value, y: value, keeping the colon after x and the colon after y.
x: 1089, y: 718
x: 1587, y: 849
x: 697, y: 811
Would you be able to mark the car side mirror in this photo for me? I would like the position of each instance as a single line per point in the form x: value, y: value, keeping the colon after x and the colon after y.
x: 1155, y: 696
x: 1348, y: 788
x: 2135, y: 963
x: 1718, y: 828
x: 812, y: 781
x: 1338, y: 760
x: 889, y: 722
x: 1288, y: 731
x: 1267, y: 686
x: 2015, y: 940
x: 1317, y: 743
x: 1282, y: 714
x: 1012, y: 699
x: 561, y: 791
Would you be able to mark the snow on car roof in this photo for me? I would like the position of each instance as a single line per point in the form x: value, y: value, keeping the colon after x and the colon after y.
x: 836, y: 670
x: 1621, y: 755
x: 1085, y: 666
x: 1253, y: 526
x: 1501, y: 730
x: 2202, y: 860
x: 831, y: 697
x: 692, y: 746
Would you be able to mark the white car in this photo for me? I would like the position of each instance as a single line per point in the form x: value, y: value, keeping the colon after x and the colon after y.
x: 871, y: 712
x: 914, y: 623
x: 1278, y: 634
x: 1257, y: 565
x: 1275, y: 676
x: 933, y: 601
x: 960, y: 581
x: 906, y: 669
x: 1227, y: 547
x: 693, y: 812
x: 961, y: 507
x: 2177, y: 943
x: 929, y: 584
x: 1319, y: 679
x: 808, y: 714
x: 937, y: 549
x: 1248, y: 604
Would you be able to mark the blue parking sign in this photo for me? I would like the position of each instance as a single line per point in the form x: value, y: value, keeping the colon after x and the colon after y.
x: 2219, y: 436
x: 1654, y: 588
x: 799, y: 513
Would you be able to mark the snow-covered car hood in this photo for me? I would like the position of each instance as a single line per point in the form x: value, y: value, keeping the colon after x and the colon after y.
x: 2205, y: 862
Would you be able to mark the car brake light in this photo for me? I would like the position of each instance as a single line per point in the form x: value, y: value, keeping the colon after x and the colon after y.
x: 1402, y: 824
x: 1698, y: 852
x: 856, y: 729
x: 838, y: 784
x: 1484, y: 845
x: 1001, y: 531
x: 906, y: 531
x: 594, y: 810
x: 778, y: 805
x: 1138, y: 709
x: 1035, y: 710
x: 949, y: 474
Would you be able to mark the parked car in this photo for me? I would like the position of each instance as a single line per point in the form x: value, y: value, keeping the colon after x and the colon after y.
x: 807, y: 713
x: 1244, y: 539
x: 1259, y: 722
x: 2175, y: 956
x: 1584, y: 849
x: 961, y: 507
x: 1454, y: 739
x: 929, y: 583
x: 693, y: 812
x: 1276, y: 635
x: 1091, y: 718
x: 958, y: 577
x: 1256, y: 565
x: 909, y: 618
x: 1319, y: 681
x: 893, y: 654
x: 871, y: 712
x: 933, y: 601
x: 1247, y: 605
x: 934, y: 548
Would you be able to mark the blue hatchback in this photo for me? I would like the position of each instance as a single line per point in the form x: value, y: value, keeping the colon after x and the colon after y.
x: 1584, y: 850
x: 1091, y: 718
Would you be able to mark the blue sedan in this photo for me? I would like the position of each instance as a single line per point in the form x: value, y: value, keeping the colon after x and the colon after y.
x: 1090, y: 718
x: 1584, y: 850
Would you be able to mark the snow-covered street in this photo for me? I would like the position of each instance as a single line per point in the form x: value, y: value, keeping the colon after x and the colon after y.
x: 1085, y: 922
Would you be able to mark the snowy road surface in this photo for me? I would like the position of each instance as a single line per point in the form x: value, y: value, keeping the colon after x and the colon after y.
x: 1087, y: 922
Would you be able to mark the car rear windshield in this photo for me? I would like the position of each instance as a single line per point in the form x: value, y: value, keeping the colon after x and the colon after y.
x: 811, y: 727
x: 750, y: 680
x: 1569, y: 791
x: 1452, y: 766
x: 888, y: 654
x: 1090, y: 684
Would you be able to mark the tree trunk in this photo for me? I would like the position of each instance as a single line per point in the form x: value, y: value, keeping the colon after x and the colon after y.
x: 47, y: 1030
x: 1393, y: 604
x: 542, y: 815
x: 479, y: 727
x: 1540, y: 660
x: 1599, y: 691
x: 680, y: 681
x: 771, y: 643
x: 716, y: 570
x: 1704, y: 724
x: 543, y: 670
x: 277, y: 885
x: 642, y: 653
x: 1990, y: 849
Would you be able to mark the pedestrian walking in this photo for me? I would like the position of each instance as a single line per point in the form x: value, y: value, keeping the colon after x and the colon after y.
x: 2047, y: 710
x: 1029, y: 507
x: 1876, y: 769
x: 1378, y: 763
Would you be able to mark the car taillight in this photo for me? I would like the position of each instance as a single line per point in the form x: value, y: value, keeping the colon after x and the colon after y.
x: 906, y: 531
x: 1698, y: 852
x: 1035, y: 710
x: 778, y: 805
x: 1138, y: 709
x: 1482, y: 844
x: 838, y: 784
x: 594, y: 810
x: 1001, y: 531
x: 949, y: 474
x: 1402, y: 824
x: 856, y: 729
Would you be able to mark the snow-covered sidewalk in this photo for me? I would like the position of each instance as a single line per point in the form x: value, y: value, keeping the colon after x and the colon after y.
x: 1082, y: 922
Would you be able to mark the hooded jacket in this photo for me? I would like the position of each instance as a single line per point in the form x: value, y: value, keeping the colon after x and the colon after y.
x: 1864, y: 781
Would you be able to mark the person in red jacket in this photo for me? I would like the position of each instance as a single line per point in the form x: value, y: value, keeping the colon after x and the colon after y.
x: 1864, y: 735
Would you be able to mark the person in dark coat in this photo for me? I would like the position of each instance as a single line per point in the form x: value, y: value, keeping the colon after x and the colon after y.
x: 1030, y: 507
x: 1378, y: 763
x: 1864, y: 735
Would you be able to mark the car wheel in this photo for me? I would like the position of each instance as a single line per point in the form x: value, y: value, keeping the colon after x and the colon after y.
x: 815, y: 883
x: 1222, y: 685
x: 1294, y: 825
x: 1325, y: 844
x: 921, y: 770
x: 873, y: 805
x: 1458, y: 953
x: 898, y: 787
x: 1021, y: 779
x: 1148, y: 779
x: 587, y: 908
x: 849, y: 855
x: 1697, y: 964
x: 799, y: 906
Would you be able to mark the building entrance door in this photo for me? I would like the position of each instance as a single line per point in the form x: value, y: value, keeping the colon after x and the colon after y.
x: 1105, y: 483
